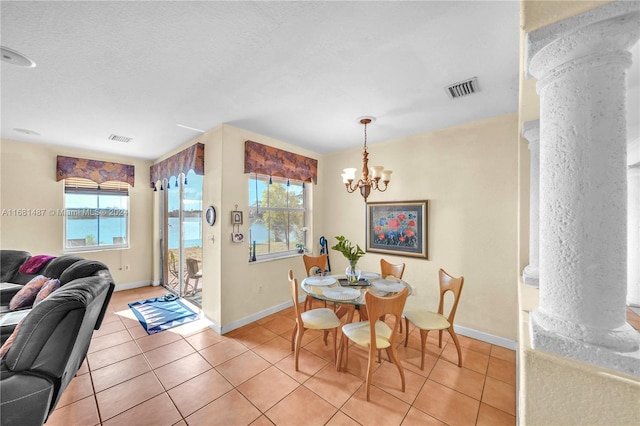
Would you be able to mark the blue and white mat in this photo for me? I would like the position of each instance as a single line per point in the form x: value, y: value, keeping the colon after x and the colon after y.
x: 161, y: 313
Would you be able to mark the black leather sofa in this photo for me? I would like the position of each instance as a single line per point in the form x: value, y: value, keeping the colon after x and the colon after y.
x: 52, y: 340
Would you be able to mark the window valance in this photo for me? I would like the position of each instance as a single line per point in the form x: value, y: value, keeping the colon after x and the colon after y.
x: 267, y: 160
x: 96, y: 171
x: 191, y: 158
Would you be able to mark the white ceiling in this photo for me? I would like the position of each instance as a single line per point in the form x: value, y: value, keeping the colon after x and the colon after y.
x: 301, y: 72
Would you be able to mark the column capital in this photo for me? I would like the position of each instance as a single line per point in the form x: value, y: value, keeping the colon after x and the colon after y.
x: 614, y: 27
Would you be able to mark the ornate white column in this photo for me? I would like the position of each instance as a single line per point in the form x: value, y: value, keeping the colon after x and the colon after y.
x: 531, y: 132
x: 580, y: 64
x: 633, y: 274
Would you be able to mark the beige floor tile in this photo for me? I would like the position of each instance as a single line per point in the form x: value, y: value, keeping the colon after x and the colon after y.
x: 243, y: 367
x: 194, y: 394
x: 500, y: 395
x: 459, y: 379
x: 158, y: 411
x: 503, y: 353
x: 262, y: 421
x: 490, y: 416
x: 82, y: 412
x: 410, y: 359
x: 108, y: 328
x: 79, y: 388
x: 169, y: 353
x: 382, y: 409
x: 474, y: 345
x: 278, y: 383
x: 120, y: 398
x: 230, y: 409
x: 112, y: 355
x: 172, y: 374
x: 287, y: 411
x: 274, y: 350
x: 502, y: 370
x: 153, y: 341
x: 84, y: 368
x: 280, y: 324
x: 416, y: 417
x: 447, y: 405
x: 341, y: 419
x: 388, y: 379
x: 335, y: 387
x: 137, y: 332
x: 119, y: 372
x: 308, y: 365
x: 222, y: 351
x: 109, y: 340
x: 254, y: 337
x: 319, y: 348
x: 204, y: 339
x: 471, y: 359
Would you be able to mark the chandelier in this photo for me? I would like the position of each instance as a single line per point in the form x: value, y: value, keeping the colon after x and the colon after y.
x: 367, y: 181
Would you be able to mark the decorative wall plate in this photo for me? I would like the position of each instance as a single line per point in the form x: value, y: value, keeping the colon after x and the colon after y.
x: 210, y: 215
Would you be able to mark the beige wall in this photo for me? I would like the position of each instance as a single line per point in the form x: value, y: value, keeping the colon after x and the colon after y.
x: 553, y: 389
x: 469, y: 175
x: 235, y: 291
x: 28, y: 181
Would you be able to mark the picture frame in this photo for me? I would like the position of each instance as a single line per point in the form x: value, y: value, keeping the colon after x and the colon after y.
x: 398, y: 228
x: 237, y: 237
x: 236, y: 217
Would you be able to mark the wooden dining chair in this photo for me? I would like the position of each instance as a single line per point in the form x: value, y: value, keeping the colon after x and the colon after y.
x: 376, y: 334
x: 316, y: 319
x: 395, y: 270
x: 390, y: 269
x: 427, y: 320
x: 310, y: 265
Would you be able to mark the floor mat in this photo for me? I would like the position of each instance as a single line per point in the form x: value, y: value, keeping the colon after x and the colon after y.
x: 161, y: 313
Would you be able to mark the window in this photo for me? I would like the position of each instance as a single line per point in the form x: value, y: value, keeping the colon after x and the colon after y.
x: 277, y: 216
x: 95, y: 216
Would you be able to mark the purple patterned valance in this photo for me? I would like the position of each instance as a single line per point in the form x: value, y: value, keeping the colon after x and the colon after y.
x: 191, y: 158
x: 271, y: 161
x: 96, y: 171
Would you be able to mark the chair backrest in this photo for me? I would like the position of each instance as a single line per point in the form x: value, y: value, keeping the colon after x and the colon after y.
x: 293, y: 289
x: 387, y: 269
x: 319, y: 262
x: 378, y: 306
x: 54, y: 338
x: 192, y: 267
x: 454, y: 285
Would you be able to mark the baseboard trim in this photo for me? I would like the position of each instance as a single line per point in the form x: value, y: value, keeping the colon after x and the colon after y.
x: 129, y: 286
x: 486, y: 337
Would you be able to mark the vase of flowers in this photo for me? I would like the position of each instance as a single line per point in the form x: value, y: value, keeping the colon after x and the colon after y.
x: 352, y: 254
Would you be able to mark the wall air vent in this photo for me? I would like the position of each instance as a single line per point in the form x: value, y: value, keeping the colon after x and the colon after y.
x: 117, y: 138
x: 463, y: 88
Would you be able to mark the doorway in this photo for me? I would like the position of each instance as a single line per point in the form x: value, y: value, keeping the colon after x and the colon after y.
x: 182, y: 236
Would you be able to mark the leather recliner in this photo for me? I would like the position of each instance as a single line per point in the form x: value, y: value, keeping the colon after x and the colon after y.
x: 49, y: 347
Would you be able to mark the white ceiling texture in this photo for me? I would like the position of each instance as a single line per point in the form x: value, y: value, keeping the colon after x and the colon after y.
x: 301, y: 72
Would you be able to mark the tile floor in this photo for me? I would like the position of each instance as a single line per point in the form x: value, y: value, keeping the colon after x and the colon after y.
x: 192, y: 376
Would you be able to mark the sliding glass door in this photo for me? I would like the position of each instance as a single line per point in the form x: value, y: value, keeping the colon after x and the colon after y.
x: 183, y: 236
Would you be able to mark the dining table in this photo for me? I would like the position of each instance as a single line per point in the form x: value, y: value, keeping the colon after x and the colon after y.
x: 350, y: 297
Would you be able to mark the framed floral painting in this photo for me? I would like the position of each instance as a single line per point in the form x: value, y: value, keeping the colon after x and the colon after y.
x: 398, y: 228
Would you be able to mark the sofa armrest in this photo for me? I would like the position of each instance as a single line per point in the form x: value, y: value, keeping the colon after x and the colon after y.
x: 25, y: 398
x: 7, y: 291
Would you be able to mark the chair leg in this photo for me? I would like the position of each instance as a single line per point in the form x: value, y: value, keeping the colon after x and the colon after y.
x: 393, y: 355
x: 335, y: 346
x: 440, y: 338
x: 423, y: 346
x: 341, y: 351
x: 298, y: 342
x: 372, y: 357
x: 293, y: 336
x: 406, y: 332
x: 455, y: 340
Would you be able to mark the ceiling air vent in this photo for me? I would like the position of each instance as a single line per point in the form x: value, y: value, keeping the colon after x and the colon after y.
x: 117, y: 138
x: 463, y: 88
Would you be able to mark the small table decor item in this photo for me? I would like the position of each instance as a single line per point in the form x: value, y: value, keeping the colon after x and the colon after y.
x: 353, y: 254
